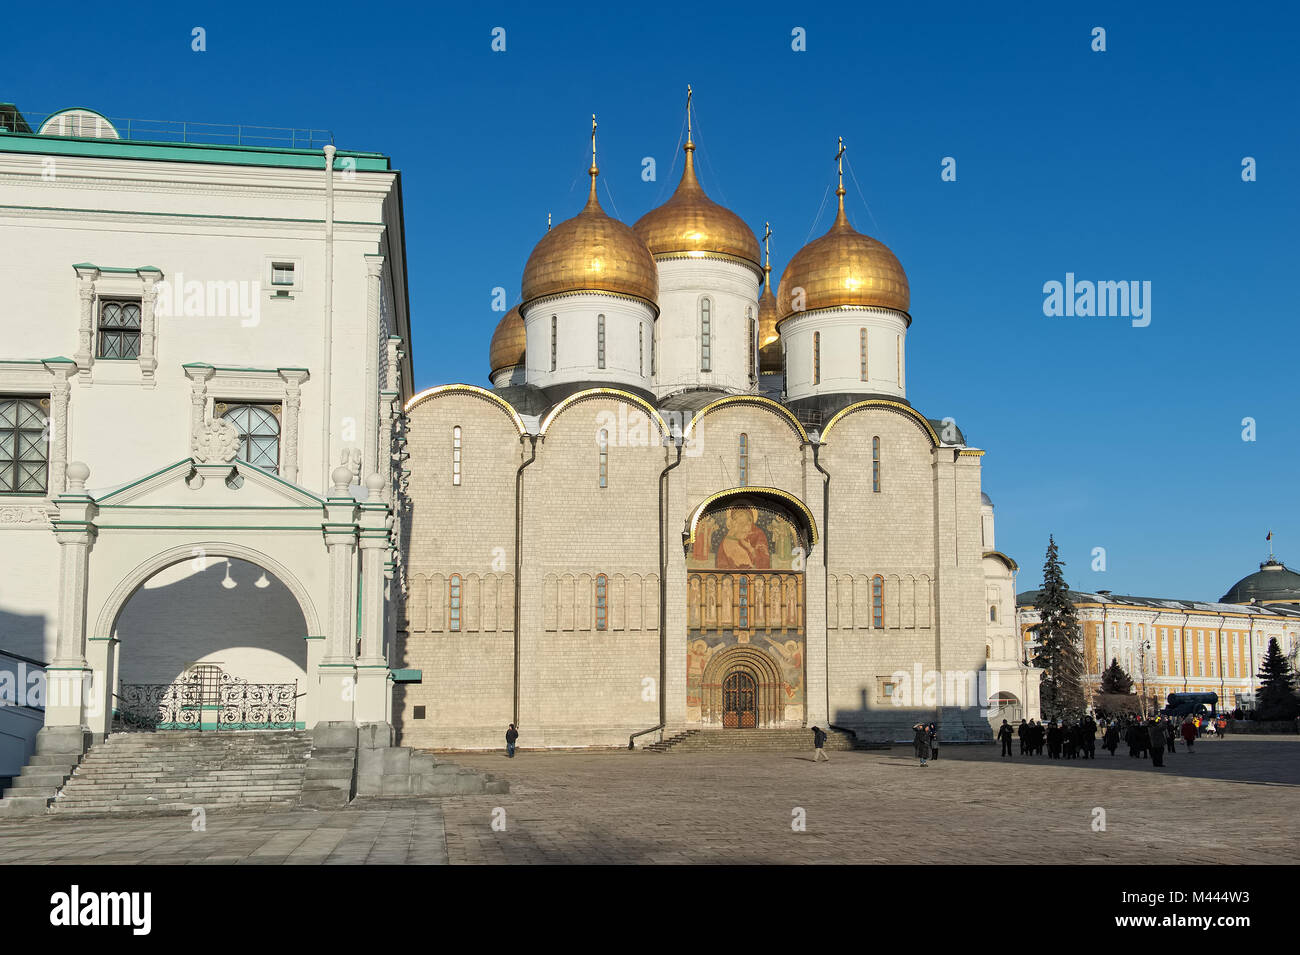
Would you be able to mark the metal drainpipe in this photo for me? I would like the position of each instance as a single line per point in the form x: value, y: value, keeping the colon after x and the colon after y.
x: 519, y: 557
x: 826, y: 585
x: 326, y: 404
x: 663, y: 598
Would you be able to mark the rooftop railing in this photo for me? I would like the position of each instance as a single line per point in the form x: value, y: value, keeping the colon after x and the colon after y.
x: 84, y: 124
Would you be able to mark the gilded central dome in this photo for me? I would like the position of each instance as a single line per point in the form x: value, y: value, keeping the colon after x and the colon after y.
x: 509, y: 342
x: 692, y: 222
x: 591, y: 253
x: 843, y: 267
x: 769, y: 341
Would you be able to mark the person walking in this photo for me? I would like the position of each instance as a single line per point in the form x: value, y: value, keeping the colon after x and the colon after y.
x: 1021, y: 733
x: 1156, y: 735
x: 921, y: 743
x: 1111, y: 740
x: 933, y: 734
x: 512, y: 734
x: 1004, y: 734
x: 1171, y: 735
x: 1189, y: 734
x: 819, y: 740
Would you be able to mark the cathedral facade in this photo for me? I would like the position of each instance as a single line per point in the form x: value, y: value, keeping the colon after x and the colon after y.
x: 693, y: 500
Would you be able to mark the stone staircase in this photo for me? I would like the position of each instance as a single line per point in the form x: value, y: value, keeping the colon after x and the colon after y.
x: 55, y: 759
x: 178, y: 771
x: 757, y: 741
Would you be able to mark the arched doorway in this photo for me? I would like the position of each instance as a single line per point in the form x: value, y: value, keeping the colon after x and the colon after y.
x: 745, y: 559
x: 1004, y: 705
x: 209, y: 643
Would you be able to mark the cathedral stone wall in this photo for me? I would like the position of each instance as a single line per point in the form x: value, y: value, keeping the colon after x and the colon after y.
x: 466, y: 531
x: 589, y: 643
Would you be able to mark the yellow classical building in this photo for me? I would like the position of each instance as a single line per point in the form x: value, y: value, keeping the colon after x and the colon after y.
x: 1178, y: 646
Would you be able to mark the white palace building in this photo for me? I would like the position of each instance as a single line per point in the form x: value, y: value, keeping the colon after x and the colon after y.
x: 201, y: 386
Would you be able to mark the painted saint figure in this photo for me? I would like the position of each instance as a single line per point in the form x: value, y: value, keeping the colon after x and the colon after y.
x: 745, y: 545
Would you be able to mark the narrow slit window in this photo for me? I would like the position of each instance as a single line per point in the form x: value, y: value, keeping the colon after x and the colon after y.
x: 743, y: 602
x: 555, y: 337
x: 706, y: 333
x: 455, y: 456
x: 744, y: 461
x: 875, y: 465
x: 862, y: 350
x: 602, y: 602
x: 817, y: 358
x: 878, y: 602
x: 604, y: 458
x: 640, y: 350
x: 453, y: 603
x: 753, y: 344
x: 600, y: 341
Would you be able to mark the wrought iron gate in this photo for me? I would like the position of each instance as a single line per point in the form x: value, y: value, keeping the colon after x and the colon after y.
x: 739, y: 701
x: 207, y: 698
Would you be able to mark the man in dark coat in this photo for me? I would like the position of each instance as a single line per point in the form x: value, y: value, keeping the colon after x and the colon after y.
x: 1054, y: 737
x: 1111, y: 740
x: 1156, y: 742
x: 819, y: 740
x: 1021, y: 732
x: 1171, y: 735
x: 512, y: 734
x: 1089, y: 738
x: 1004, y: 735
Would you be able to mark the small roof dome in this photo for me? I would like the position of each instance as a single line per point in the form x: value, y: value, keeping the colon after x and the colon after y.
x: 1273, y: 583
x: 985, y: 499
x: 509, y: 342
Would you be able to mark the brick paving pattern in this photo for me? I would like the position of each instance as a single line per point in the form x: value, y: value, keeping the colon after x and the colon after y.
x: 1231, y: 802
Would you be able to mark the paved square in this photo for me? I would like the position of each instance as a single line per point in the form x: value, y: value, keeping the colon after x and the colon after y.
x: 1233, y: 801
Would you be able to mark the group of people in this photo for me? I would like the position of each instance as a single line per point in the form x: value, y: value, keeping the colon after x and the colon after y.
x: 1078, y: 739
x: 1073, y: 740
x: 925, y: 742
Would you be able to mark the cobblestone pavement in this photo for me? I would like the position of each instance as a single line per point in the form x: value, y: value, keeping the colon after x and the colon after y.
x: 1232, y: 801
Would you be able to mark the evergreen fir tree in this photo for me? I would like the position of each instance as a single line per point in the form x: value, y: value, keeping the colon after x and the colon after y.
x: 1115, y: 679
x: 1277, y: 700
x: 1060, y: 654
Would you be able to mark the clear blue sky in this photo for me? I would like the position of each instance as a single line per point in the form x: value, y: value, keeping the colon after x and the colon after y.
x: 1114, y: 166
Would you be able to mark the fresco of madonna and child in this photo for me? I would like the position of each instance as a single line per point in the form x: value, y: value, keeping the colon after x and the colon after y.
x: 744, y: 537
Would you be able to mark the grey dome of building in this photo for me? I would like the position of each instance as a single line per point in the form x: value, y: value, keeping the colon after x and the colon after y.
x: 1274, y: 582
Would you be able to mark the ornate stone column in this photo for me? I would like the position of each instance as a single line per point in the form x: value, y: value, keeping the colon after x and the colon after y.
x: 199, y: 375
x: 148, y: 330
x: 373, y: 446
x: 62, y: 369
x: 293, y: 379
x: 372, y: 667
x: 336, y: 681
x: 67, y: 676
x: 85, y: 355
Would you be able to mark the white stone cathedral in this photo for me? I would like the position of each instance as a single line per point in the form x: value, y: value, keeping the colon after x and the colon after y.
x: 689, y: 502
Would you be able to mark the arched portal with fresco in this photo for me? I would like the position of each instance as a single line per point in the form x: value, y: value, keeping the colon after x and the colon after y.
x: 746, y: 643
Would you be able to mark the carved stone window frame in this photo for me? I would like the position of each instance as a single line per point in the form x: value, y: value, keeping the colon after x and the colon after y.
x: 98, y: 283
x: 49, y: 376
x: 211, y: 383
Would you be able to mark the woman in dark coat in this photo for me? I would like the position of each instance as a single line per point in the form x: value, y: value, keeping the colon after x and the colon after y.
x: 921, y: 743
x: 932, y: 731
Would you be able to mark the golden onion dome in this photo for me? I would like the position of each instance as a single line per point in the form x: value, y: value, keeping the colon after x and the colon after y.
x: 692, y: 223
x: 591, y: 253
x: 843, y: 268
x: 508, y: 342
